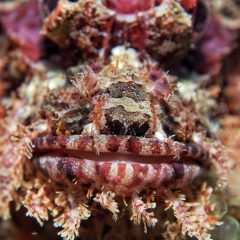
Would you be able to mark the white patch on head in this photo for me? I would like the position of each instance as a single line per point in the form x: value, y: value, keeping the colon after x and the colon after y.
x: 160, y: 134
x: 56, y: 79
x: 187, y: 90
x: 41, y: 126
x: 89, y: 130
x: 121, y: 56
x: 129, y: 105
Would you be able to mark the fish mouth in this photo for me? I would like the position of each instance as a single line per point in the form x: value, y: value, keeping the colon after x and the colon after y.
x: 107, y: 147
x: 85, y: 160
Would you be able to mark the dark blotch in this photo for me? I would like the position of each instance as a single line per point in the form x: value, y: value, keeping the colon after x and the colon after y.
x: 51, y: 140
x: 127, y: 89
x: 134, y: 145
x: 47, y: 6
x: 60, y: 165
x: 38, y: 142
x: 179, y: 170
x: 116, y: 127
x: 113, y: 144
x: 44, y: 169
x: 121, y: 122
x: 138, y: 130
x: 193, y: 150
x: 69, y: 172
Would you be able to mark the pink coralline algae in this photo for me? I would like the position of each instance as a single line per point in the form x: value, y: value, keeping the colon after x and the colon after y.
x: 22, y: 24
x: 217, y: 42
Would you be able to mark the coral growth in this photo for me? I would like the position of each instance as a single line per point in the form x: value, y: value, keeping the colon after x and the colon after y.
x: 161, y: 31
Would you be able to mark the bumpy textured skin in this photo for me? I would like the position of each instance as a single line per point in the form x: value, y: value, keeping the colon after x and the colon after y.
x: 127, y: 139
x: 160, y: 31
x: 123, y: 133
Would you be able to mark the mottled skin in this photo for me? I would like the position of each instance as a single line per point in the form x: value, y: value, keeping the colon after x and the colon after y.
x: 123, y: 143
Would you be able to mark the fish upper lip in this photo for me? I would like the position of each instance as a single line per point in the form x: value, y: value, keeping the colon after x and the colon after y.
x: 82, y: 147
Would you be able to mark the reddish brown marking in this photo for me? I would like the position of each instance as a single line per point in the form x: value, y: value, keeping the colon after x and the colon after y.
x: 154, y: 116
x: 84, y: 142
x: 137, y: 168
x: 81, y: 143
x: 156, y: 148
x: 104, y: 169
x: 98, y: 111
x: 167, y: 149
x: 179, y: 170
x: 162, y: 89
x: 189, y: 4
x: 80, y: 174
x: 121, y: 170
x: 133, y: 145
x: 138, y: 35
x: 61, y: 141
x: 113, y: 144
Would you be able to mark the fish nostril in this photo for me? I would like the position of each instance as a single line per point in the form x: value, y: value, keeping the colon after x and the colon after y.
x: 138, y: 130
x: 117, y: 128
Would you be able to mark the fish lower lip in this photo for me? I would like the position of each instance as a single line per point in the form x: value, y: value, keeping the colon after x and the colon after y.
x: 122, y: 177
